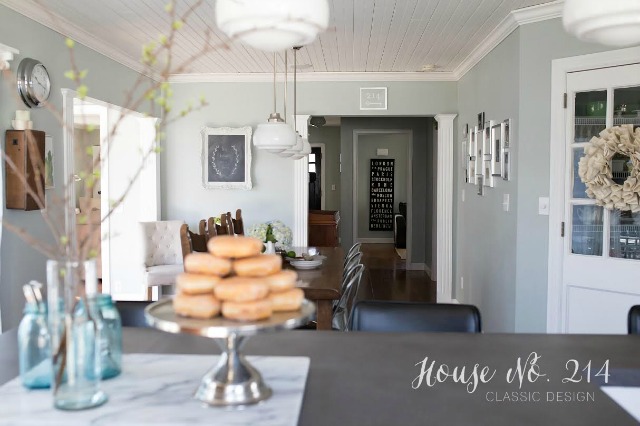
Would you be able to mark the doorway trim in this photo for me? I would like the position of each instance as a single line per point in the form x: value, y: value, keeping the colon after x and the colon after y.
x: 356, y: 135
x: 444, y: 208
x: 559, y: 70
x: 322, y: 147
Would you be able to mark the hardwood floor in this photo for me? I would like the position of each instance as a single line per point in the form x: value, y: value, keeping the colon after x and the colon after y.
x: 387, y: 278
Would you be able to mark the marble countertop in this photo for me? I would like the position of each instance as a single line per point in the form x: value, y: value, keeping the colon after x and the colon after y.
x: 158, y: 389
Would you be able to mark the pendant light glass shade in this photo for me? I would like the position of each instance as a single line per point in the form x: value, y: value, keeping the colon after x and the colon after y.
x: 296, y: 149
x: 272, y: 25
x: 611, y: 22
x: 275, y: 135
x: 306, y: 150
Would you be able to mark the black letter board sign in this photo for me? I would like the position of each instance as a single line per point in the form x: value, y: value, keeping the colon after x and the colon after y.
x: 381, y: 195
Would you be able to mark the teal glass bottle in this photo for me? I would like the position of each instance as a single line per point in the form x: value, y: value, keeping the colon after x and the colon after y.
x: 110, y: 338
x: 34, y: 348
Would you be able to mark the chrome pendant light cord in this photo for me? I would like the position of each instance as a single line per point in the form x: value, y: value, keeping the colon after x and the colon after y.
x: 295, y: 88
x: 274, y: 82
x: 286, y: 64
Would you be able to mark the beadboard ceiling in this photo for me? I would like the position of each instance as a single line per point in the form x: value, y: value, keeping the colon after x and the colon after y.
x: 364, y: 36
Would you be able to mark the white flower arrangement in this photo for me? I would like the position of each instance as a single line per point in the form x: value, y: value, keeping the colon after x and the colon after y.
x: 274, y: 231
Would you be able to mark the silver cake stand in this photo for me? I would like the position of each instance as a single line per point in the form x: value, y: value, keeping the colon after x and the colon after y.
x: 233, y: 381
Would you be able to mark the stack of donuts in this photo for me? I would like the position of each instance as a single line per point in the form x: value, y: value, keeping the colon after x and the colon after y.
x: 236, y: 280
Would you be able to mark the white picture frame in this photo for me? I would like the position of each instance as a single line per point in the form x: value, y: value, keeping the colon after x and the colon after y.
x: 226, y: 157
x: 505, y: 153
x: 487, y: 147
x: 471, y: 157
x: 373, y: 99
x: 497, y: 149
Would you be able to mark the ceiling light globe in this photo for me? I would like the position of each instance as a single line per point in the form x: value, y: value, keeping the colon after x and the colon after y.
x: 274, y: 136
x: 296, y: 149
x: 611, y: 22
x: 272, y: 25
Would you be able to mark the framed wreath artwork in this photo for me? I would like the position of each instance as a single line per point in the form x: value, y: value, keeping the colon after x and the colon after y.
x: 610, y: 168
x: 226, y: 158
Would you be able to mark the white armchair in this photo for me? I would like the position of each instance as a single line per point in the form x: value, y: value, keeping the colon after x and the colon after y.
x: 163, y: 258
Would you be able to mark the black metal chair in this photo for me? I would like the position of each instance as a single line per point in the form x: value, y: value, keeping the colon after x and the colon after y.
x: 633, y: 320
x: 132, y: 313
x: 389, y: 316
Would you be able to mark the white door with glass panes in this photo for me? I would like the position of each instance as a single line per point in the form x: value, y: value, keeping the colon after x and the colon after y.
x: 601, y: 262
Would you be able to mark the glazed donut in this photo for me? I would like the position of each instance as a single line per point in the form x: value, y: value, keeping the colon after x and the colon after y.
x: 282, y: 281
x: 196, y: 283
x: 204, y: 263
x: 247, y: 311
x: 289, y: 300
x: 203, y: 306
x: 230, y: 246
x: 258, y: 266
x: 241, y: 289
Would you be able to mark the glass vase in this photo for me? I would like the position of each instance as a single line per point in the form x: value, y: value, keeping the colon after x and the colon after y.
x: 75, y: 327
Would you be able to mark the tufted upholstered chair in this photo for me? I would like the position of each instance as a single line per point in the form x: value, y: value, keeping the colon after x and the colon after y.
x: 163, y: 252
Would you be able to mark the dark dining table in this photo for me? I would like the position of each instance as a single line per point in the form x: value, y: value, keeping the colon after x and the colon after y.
x: 322, y: 285
x: 369, y: 378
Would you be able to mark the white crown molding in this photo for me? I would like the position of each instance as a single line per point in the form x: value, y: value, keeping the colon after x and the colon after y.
x: 38, y: 13
x: 313, y: 76
x: 509, y: 24
x: 541, y: 12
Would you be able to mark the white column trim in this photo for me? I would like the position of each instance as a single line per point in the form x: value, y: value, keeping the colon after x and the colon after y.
x: 444, y: 208
x: 301, y: 189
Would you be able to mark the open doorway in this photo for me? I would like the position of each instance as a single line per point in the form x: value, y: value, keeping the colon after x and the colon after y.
x: 104, y: 164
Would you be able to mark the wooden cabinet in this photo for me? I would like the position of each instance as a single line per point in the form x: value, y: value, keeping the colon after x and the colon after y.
x: 323, y: 228
x: 25, y: 149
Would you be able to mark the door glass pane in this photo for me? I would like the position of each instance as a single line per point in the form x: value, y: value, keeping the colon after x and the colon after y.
x: 579, y: 188
x: 590, y: 114
x: 625, y: 235
x: 626, y: 105
x: 312, y: 168
x: 586, y: 237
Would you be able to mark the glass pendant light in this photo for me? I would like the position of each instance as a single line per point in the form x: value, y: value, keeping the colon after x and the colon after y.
x: 275, y: 135
x: 611, y: 22
x: 297, y: 149
x: 272, y: 25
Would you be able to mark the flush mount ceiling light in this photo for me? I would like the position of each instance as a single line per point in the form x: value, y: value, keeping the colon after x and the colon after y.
x: 272, y: 25
x: 275, y: 135
x: 611, y: 22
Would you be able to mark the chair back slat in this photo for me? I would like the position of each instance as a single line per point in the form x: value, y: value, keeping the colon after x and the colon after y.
x: 343, y: 308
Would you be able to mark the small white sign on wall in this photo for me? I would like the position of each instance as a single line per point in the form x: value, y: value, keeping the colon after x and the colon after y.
x: 373, y: 98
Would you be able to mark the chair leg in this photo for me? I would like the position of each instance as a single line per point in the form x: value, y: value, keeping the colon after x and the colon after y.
x: 149, y: 294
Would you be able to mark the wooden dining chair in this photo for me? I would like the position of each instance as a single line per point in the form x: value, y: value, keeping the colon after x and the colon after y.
x: 238, y: 226
x: 192, y: 242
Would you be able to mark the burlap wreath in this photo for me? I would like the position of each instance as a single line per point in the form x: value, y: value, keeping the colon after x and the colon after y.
x: 595, y: 168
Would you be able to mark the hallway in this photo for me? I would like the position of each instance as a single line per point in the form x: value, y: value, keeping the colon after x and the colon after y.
x: 388, y: 279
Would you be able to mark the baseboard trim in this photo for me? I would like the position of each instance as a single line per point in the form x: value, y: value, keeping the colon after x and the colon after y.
x: 455, y: 301
x: 375, y: 240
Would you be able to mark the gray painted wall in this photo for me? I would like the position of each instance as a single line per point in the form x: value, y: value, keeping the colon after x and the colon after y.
x: 540, y: 43
x: 330, y: 137
x: 398, y: 146
x: 509, y: 281
x: 248, y: 104
x: 485, y: 242
x: 107, y: 80
x: 421, y: 175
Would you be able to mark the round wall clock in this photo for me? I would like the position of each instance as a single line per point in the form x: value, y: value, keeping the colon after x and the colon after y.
x: 34, y: 84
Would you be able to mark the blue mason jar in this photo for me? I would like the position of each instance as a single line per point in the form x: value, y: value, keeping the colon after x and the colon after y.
x: 110, y: 338
x: 34, y: 348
